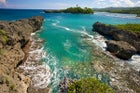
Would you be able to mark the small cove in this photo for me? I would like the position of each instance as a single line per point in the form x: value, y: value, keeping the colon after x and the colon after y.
x: 66, y: 53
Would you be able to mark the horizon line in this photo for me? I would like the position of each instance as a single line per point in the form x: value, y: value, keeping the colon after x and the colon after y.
x: 65, y: 8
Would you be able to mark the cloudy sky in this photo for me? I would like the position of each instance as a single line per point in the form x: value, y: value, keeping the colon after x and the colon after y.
x: 59, y: 4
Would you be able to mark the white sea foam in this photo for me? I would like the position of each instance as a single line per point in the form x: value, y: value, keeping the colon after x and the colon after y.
x: 55, y: 69
x: 56, y: 24
x: 132, y: 16
x: 40, y: 73
x: 135, y: 61
x: 100, y: 41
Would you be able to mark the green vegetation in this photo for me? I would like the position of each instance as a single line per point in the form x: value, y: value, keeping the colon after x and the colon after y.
x: 3, y: 51
x: 3, y: 36
x: 79, y: 10
x: 2, y: 32
x: 130, y: 27
x: 89, y: 85
x: 73, y: 10
x: 134, y: 10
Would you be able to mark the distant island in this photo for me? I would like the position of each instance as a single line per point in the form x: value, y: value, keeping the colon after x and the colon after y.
x: 73, y: 10
x: 125, y: 10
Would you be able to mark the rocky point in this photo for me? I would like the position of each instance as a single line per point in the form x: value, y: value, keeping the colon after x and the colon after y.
x: 14, y: 36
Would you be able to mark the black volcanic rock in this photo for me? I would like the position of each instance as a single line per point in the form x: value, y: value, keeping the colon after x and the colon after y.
x: 121, y: 49
x: 103, y: 28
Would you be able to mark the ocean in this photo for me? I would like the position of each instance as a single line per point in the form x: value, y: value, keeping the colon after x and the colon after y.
x: 66, y: 53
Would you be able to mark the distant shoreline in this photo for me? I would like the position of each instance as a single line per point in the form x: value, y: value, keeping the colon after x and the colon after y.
x: 73, y: 10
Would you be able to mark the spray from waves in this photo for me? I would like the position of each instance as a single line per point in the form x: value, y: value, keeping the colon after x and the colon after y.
x: 57, y: 71
x: 56, y: 24
x: 132, y: 16
x: 40, y: 73
x: 135, y: 61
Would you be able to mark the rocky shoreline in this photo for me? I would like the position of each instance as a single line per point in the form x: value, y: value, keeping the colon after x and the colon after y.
x: 14, y: 36
x: 35, y: 69
x: 123, y: 77
x: 124, y: 44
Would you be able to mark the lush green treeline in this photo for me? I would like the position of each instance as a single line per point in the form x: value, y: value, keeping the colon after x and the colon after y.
x: 130, y: 27
x: 73, y: 10
x: 79, y: 10
x: 134, y: 10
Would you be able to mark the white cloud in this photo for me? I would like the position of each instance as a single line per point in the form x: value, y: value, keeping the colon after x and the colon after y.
x: 137, y: 3
x: 57, y: 5
x: 116, y: 3
x: 3, y: 1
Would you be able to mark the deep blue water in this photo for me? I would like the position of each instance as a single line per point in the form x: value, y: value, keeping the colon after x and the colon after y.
x: 67, y: 54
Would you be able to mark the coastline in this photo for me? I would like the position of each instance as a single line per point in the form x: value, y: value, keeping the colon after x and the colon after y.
x: 99, y: 40
x: 33, y: 66
x: 123, y: 15
x: 13, y: 53
x: 117, y: 70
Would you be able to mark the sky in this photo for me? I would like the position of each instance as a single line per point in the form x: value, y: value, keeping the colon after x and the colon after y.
x: 61, y: 4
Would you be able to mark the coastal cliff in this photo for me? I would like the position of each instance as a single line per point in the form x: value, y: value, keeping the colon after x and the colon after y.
x: 14, y: 36
x: 131, y: 39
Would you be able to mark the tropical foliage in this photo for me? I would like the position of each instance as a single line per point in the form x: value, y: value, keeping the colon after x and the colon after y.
x: 130, y: 27
x: 79, y: 10
x: 3, y: 37
x: 89, y: 85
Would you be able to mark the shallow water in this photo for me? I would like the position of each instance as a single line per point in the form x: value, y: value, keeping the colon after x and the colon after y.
x: 66, y: 53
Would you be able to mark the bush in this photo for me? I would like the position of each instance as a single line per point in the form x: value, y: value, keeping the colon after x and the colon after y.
x: 3, y: 36
x: 130, y: 27
x: 89, y: 85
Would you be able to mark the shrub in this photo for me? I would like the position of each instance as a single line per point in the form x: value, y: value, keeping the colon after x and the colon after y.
x: 89, y: 85
x: 3, y: 36
x: 130, y: 27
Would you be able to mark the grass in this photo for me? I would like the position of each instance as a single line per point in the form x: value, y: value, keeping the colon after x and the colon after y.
x: 3, y: 36
x: 89, y: 85
x: 135, y: 28
x: 2, y: 32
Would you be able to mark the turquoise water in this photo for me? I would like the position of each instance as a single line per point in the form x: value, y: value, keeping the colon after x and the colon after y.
x: 67, y: 54
x: 70, y: 56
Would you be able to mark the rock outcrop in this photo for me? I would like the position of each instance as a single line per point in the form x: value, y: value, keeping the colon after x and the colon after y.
x: 103, y: 28
x: 117, y: 34
x: 13, y: 38
x: 121, y: 49
x: 63, y: 85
